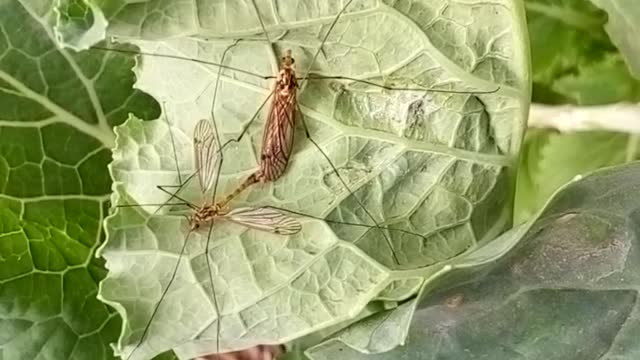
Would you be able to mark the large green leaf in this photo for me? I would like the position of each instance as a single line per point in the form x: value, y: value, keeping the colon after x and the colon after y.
x: 436, y: 164
x: 55, y: 137
x: 605, y: 81
x: 623, y: 28
x: 565, y: 34
x: 569, y: 290
x: 550, y: 160
x: 573, y: 59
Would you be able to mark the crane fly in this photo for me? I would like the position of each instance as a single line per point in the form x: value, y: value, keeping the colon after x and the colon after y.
x: 213, y: 211
x: 208, y: 163
x: 269, y: 219
x: 277, y: 138
x: 278, y: 134
x: 208, y: 158
x: 283, y: 112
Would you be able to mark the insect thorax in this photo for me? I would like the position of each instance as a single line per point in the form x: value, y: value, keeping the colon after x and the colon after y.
x: 287, y: 80
x: 204, y: 215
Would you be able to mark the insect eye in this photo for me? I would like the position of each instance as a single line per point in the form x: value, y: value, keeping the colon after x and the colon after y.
x: 293, y: 61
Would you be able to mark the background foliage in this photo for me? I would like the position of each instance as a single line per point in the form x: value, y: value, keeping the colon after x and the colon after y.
x: 575, y: 61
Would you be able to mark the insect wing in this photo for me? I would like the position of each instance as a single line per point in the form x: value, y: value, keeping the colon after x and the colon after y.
x: 205, y: 147
x: 277, y: 140
x: 265, y: 219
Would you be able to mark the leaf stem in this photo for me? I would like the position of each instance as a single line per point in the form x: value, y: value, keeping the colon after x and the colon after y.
x: 622, y: 117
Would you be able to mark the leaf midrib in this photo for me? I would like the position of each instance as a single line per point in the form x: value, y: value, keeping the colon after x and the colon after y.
x: 102, y: 132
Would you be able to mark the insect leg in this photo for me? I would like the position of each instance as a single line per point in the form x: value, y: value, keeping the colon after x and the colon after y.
x: 109, y: 49
x: 173, y: 195
x: 173, y: 141
x: 213, y: 199
x: 344, y: 222
x: 213, y: 291
x: 324, y: 40
x: 245, y: 128
x: 162, y: 296
x: 346, y: 186
x: 181, y: 184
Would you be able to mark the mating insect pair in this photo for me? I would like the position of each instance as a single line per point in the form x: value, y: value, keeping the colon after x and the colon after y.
x: 207, y: 160
x: 276, y: 150
x: 279, y: 129
x: 208, y: 155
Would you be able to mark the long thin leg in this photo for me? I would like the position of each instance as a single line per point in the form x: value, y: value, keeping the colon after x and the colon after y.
x: 215, y: 298
x: 307, y: 76
x: 142, y: 205
x: 391, y: 88
x: 324, y: 40
x: 173, y: 195
x: 347, y: 222
x: 162, y: 296
x: 344, y: 183
x: 181, y: 184
x: 213, y: 199
x: 307, y: 134
x: 173, y: 142
x: 245, y: 128
x: 264, y: 29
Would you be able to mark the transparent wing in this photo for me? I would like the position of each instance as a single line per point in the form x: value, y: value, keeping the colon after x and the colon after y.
x: 205, y: 147
x: 277, y: 140
x: 265, y: 219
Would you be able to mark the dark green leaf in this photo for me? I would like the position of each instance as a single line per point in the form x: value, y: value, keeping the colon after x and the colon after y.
x: 550, y: 160
x: 568, y: 291
x: 55, y: 139
x: 624, y: 29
